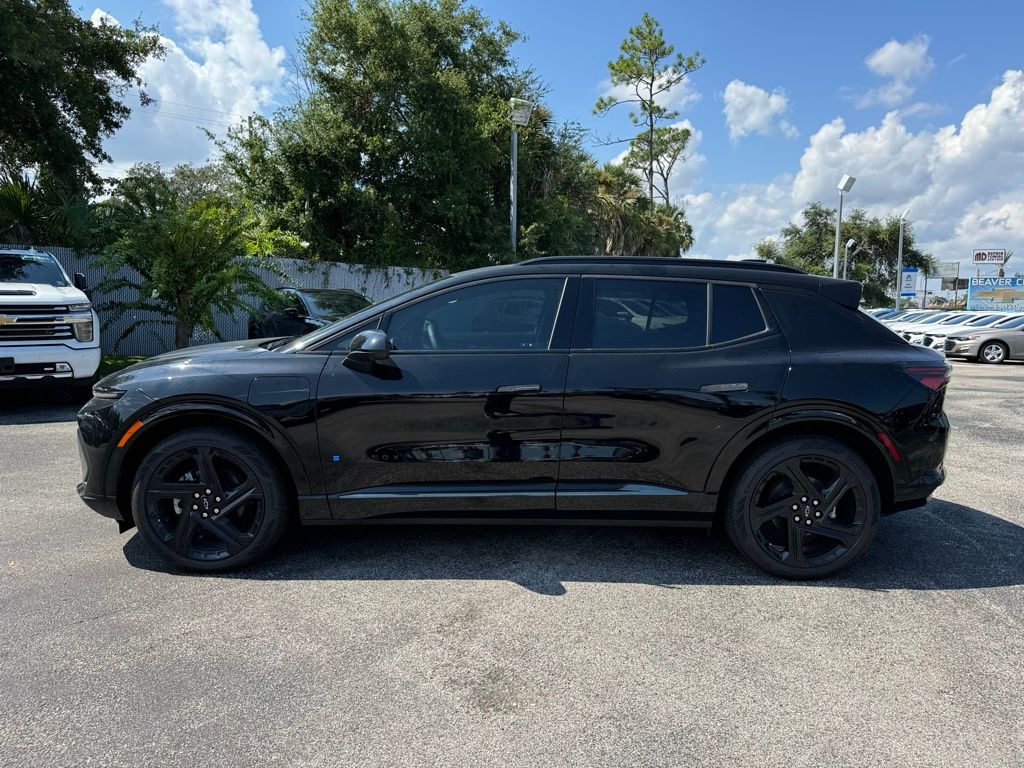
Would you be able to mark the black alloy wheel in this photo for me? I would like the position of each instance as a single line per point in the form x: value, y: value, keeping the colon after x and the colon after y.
x: 209, y: 499
x: 805, y: 508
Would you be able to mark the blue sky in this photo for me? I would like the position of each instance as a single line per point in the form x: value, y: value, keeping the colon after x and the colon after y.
x: 793, y: 94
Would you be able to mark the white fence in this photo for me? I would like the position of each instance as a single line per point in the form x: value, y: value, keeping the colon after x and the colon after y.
x: 377, y: 283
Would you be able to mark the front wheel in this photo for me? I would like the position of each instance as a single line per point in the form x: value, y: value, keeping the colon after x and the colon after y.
x: 209, y: 499
x: 804, y: 508
x: 992, y: 352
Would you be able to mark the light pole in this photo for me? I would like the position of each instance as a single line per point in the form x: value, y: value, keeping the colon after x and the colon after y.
x: 521, y: 110
x: 899, y: 259
x: 846, y: 254
x: 845, y: 185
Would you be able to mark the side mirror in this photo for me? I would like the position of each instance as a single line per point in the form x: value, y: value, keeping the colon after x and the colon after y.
x: 80, y: 282
x: 370, y: 346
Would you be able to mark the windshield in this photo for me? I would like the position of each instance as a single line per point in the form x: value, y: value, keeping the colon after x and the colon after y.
x: 961, y: 318
x: 311, y: 339
x: 31, y: 268
x: 985, y: 320
x: 334, y: 304
x: 1013, y: 322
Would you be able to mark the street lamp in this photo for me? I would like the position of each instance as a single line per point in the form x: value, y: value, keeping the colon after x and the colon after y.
x: 521, y: 110
x: 846, y: 254
x: 845, y: 185
x: 899, y: 259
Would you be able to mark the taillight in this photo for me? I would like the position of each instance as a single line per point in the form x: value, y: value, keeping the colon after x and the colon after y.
x: 935, y: 377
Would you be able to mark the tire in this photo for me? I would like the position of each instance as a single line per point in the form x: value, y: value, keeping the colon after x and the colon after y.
x: 180, y: 484
x: 81, y: 392
x: 993, y: 352
x: 836, y: 515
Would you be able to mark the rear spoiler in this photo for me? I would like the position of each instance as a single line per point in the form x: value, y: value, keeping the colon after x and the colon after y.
x: 845, y: 292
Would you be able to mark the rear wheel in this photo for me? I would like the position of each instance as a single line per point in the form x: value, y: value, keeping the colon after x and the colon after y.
x: 805, y: 508
x: 993, y: 352
x: 210, y: 500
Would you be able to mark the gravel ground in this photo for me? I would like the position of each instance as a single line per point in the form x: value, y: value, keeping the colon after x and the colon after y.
x: 517, y: 647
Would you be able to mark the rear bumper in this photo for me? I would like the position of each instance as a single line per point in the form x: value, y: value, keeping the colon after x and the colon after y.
x: 915, y: 493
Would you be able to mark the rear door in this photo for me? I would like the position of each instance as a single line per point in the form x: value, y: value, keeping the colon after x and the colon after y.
x: 662, y: 374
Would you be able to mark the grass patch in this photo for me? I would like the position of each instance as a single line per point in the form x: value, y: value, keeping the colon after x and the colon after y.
x: 109, y: 365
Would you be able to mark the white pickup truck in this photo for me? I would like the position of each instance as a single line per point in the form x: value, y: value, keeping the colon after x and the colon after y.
x: 49, y: 332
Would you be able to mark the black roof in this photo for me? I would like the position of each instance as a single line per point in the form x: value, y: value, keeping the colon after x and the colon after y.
x: 659, y: 261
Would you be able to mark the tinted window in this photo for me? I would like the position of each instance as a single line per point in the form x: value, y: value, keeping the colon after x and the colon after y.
x: 734, y: 313
x: 811, y: 322
x: 1016, y: 322
x: 30, y: 268
x: 340, y: 344
x: 504, y: 314
x: 334, y: 304
x: 642, y: 314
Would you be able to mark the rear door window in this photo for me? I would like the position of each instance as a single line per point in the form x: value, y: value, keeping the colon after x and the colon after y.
x: 626, y: 314
x: 735, y: 313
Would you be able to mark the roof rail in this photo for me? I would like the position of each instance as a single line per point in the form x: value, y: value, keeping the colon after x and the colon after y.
x: 665, y: 261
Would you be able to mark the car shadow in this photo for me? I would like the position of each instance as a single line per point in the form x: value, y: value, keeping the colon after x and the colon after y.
x: 944, y: 546
x: 45, y: 405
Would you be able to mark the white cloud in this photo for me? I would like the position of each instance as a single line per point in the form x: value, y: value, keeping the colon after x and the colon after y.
x: 904, y: 65
x: 964, y: 183
x: 749, y: 109
x: 219, y: 70
x: 689, y: 169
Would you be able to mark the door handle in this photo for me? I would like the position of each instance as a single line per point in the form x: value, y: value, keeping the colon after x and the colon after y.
x: 510, y: 389
x: 709, y: 389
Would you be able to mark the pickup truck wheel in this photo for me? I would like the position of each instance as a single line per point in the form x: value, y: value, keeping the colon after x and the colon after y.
x: 210, y: 499
x: 804, y: 508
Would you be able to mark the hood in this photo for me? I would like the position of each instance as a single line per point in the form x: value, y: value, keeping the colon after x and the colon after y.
x: 40, y: 293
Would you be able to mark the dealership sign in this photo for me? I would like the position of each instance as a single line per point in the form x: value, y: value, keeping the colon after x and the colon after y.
x: 947, y: 269
x: 908, y: 282
x: 988, y: 256
x: 996, y: 293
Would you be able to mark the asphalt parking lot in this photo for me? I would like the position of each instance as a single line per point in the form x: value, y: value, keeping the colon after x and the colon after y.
x: 517, y: 647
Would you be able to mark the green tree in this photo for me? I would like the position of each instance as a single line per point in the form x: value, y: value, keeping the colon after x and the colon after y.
x: 809, y: 246
x: 42, y: 210
x: 184, y: 259
x: 629, y: 224
x: 646, y: 71
x: 62, y: 84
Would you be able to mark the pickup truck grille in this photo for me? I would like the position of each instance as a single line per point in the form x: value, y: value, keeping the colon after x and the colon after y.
x: 32, y: 322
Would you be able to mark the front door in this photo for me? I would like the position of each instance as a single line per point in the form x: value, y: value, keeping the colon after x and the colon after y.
x: 463, y: 420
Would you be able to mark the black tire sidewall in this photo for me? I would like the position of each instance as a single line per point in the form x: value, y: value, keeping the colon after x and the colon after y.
x: 277, y: 496
x: 735, y: 509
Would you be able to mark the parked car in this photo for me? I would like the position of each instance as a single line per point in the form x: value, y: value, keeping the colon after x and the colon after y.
x: 917, y: 318
x: 301, y: 310
x: 49, y: 332
x: 934, y: 335
x: 754, y: 397
x: 994, y: 344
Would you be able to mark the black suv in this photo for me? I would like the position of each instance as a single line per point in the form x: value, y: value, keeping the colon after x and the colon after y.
x: 561, y: 390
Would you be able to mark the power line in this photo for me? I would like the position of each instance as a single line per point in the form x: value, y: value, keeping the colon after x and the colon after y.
x: 201, y: 109
x: 185, y: 118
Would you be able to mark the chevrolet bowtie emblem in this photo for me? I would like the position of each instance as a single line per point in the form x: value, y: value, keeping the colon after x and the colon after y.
x: 5, y: 320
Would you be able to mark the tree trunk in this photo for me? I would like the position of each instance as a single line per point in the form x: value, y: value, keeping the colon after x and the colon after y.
x: 182, y: 334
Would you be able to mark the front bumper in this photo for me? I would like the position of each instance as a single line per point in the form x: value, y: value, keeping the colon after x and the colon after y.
x: 955, y: 348
x: 37, y: 364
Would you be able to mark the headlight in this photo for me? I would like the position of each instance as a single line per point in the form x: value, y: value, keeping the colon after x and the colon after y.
x: 975, y: 337
x: 938, y: 335
x: 82, y: 328
x: 80, y: 307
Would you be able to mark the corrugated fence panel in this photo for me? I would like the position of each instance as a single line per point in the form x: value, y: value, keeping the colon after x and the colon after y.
x: 151, y: 338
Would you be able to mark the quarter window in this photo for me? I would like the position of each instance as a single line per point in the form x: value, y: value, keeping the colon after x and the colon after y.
x: 497, y: 315
x: 734, y: 313
x: 642, y: 314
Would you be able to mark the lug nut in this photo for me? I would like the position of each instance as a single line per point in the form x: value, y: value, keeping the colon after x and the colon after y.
x: 196, y: 495
x: 807, y: 521
x: 796, y: 507
x: 815, y: 502
x: 217, y: 498
x: 817, y: 514
x: 195, y: 506
x: 208, y: 491
x: 216, y: 511
x: 205, y: 515
x: 796, y: 518
x: 803, y: 499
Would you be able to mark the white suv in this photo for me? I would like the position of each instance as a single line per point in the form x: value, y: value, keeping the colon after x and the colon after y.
x: 49, y: 332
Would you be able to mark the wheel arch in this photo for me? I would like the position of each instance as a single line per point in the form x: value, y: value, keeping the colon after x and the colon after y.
x: 836, y: 426
x: 180, y: 416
